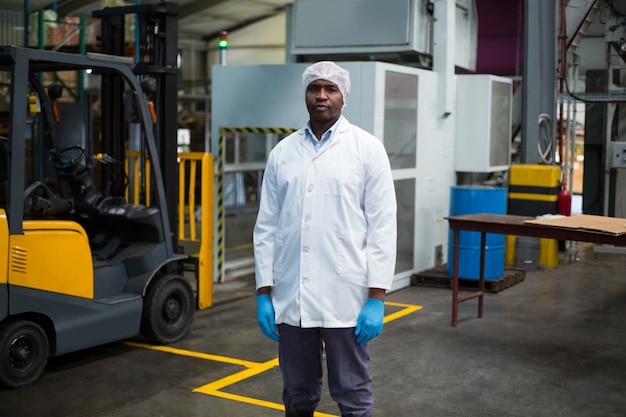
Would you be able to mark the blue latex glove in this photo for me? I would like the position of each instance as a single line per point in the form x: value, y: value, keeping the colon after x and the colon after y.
x: 266, y: 317
x: 370, y: 321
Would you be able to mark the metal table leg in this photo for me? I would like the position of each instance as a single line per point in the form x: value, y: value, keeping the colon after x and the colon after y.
x: 455, y: 280
x: 480, y: 294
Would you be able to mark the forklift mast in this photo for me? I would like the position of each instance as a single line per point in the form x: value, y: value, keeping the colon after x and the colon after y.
x: 156, y: 55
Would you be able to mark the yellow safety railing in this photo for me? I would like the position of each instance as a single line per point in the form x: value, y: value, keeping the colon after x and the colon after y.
x: 188, y: 184
x: 132, y: 164
x: 187, y: 208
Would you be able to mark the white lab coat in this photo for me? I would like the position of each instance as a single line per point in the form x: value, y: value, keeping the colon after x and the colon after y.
x: 326, y: 227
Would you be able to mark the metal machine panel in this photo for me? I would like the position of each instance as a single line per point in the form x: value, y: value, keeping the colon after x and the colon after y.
x: 466, y: 34
x: 390, y: 30
x: 372, y: 23
x: 617, y: 152
x: 359, y: 26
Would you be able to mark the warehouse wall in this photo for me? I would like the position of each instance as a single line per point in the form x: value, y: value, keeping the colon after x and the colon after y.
x: 259, y: 43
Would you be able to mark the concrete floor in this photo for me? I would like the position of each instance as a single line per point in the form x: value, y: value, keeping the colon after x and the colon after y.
x: 552, y: 345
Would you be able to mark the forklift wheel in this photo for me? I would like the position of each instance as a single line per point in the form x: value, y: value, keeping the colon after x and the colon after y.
x: 23, y: 353
x: 168, y: 310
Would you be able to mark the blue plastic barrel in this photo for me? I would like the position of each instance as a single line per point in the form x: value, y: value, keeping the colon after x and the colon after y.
x: 474, y: 200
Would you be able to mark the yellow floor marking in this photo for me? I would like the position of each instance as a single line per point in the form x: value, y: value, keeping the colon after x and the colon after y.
x: 266, y: 404
x: 242, y: 399
x: 408, y: 309
x: 214, y: 387
x: 253, y: 368
x: 239, y: 376
x: 191, y: 353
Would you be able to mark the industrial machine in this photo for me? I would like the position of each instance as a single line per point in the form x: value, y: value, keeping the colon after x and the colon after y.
x: 81, y: 266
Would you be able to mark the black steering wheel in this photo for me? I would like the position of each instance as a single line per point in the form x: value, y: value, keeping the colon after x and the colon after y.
x: 39, y: 199
x: 67, y: 157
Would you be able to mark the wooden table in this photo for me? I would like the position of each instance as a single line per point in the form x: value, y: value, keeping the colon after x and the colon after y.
x: 518, y: 226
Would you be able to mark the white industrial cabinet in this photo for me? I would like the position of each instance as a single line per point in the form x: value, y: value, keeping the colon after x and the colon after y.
x: 483, y: 129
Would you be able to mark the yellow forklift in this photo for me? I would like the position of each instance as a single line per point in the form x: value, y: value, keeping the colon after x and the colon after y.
x: 80, y: 266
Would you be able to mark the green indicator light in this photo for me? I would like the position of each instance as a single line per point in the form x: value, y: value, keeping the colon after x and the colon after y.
x: 223, y: 42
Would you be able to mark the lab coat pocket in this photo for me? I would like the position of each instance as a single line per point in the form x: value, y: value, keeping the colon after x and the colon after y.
x: 351, y: 253
x: 342, y: 179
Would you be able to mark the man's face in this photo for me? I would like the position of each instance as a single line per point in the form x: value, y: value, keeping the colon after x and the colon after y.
x: 324, y: 101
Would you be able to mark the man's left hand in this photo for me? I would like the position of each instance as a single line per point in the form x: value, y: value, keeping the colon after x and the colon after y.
x: 370, y: 321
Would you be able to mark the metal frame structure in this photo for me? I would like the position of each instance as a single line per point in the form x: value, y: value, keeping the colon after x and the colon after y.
x: 156, y: 49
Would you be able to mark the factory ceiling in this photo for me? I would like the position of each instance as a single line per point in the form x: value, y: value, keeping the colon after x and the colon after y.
x: 199, y: 19
x: 500, y: 34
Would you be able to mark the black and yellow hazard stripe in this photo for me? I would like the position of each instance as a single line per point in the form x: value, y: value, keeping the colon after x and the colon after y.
x: 278, y: 130
x: 526, y: 192
x: 533, y: 189
x: 220, y: 183
x: 220, y: 207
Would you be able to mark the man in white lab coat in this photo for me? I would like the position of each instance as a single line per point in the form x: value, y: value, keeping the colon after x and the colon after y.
x: 325, y: 249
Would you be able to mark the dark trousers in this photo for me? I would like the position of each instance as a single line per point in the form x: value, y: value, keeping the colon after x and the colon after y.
x: 300, y: 353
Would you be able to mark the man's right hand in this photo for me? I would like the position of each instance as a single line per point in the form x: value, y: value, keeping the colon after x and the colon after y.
x: 266, y: 316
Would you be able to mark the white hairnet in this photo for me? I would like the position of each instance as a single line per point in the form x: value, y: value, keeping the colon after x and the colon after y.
x: 329, y: 71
